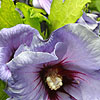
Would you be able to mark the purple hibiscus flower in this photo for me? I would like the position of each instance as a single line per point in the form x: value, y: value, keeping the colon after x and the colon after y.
x: 64, y: 67
x: 10, y: 40
x: 45, y: 4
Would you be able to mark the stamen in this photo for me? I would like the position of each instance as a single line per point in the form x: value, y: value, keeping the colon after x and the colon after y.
x: 54, y: 82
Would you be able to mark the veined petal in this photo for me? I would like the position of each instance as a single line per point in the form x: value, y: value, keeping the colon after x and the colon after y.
x: 82, y: 45
x: 5, y: 73
x: 27, y: 85
x: 17, y: 35
x: 10, y: 40
x: 90, y: 90
x: 45, y: 4
x: 32, y: 58
x: 84, y: 51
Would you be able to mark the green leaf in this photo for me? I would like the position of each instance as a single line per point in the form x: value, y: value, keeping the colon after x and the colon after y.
x: 66, y: 12
x: 9, y: 17
x: 92, y: 6
x: 98, y: 5
x: 33, y: 16
x: 3, y: 95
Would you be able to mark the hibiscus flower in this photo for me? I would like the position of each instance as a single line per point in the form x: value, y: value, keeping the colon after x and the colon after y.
x: 64, y: 67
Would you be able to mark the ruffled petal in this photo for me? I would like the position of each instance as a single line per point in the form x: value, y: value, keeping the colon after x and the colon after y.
x: 32, y: 58
x: 10, y: 40
x: 89, y: 21
x: 83, y: 47
x: 17, y: 35
x: 25, y: 83
x: 4, y: 72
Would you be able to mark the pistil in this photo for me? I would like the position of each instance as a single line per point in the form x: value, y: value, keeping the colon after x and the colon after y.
x: 54, y: 80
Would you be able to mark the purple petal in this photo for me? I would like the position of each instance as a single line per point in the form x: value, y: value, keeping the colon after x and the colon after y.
x: 63, y: 96
x: 83, y: 49
x: 81, y: 46
x: 32, y: 58
x: 4, y: 72
x: 89, y: 21
x: 89, y: 18
x: 10, y: 40
x: 90, y: 90
x: 45, y: 4
x: 75, y: 92
x: 26, y: 84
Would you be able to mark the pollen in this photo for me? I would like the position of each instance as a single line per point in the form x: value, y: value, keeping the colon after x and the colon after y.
x: 54, y: 82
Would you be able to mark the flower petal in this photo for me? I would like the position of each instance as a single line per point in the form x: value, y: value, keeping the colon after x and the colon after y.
x: 4, y: 72
x: 10, y: 40
x: 83, y: 46
x: 17, y: 35
x: 89, y: 21
x: 75, y: 92
x: 90, y: 90
x: 32, y: 58
x: 46, y: 4
x: 25, y: 82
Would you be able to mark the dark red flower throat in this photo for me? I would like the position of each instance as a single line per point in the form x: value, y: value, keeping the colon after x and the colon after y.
x: 56, y: 77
